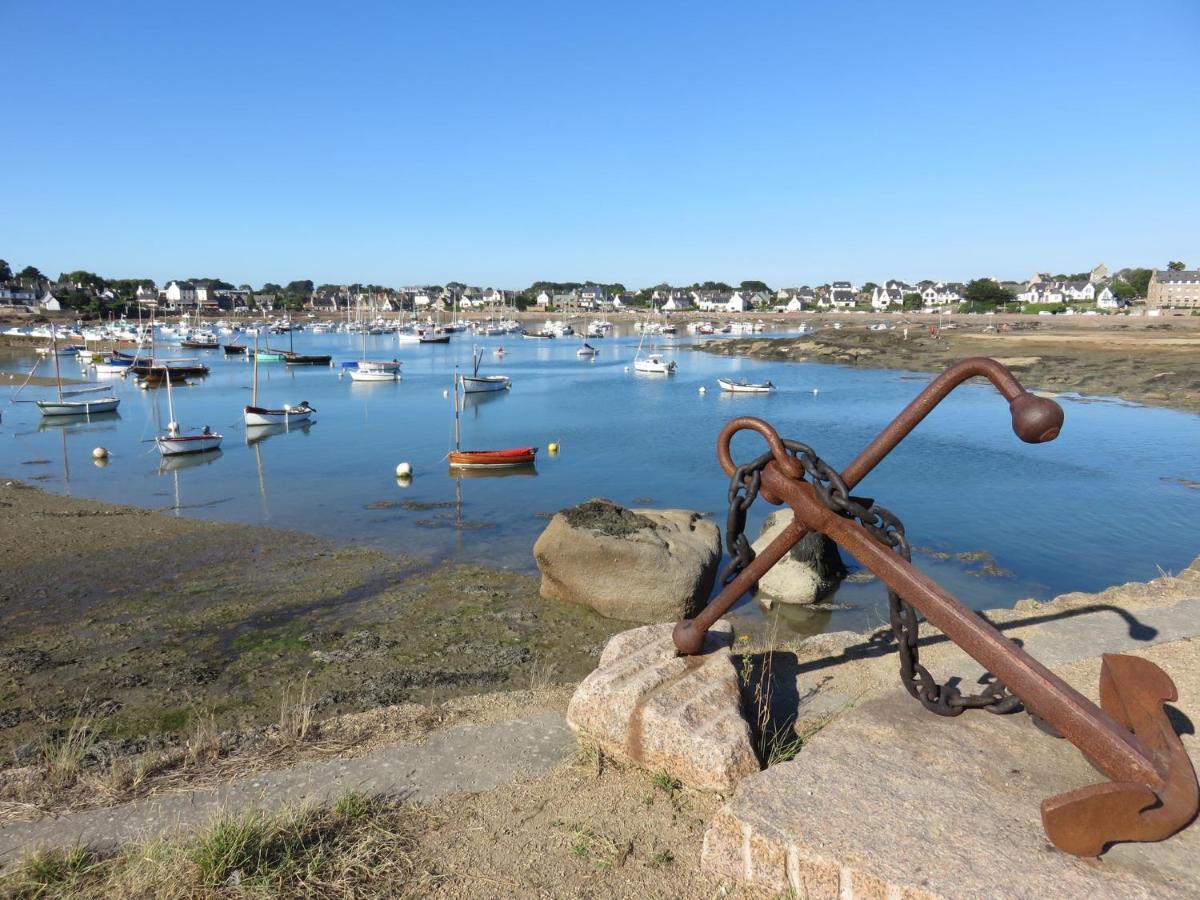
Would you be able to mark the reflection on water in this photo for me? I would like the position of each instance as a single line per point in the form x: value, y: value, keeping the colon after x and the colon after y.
x: 177, y: 462
x: 961, y: 482
x: 99, y: 422
x: 525, y: 469
x: 257, y: 433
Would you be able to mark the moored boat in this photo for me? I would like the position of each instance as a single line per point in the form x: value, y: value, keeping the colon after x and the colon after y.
x: 476, y: 383
x: 654, y: 364
x: 745, y: 387
x: 287, y: 415
x: 493, y: 459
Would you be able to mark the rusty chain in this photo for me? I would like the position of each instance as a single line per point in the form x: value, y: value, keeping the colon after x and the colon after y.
x: 887, y: 529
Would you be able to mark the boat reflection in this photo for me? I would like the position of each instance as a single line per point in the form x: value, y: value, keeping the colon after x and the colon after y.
x: 524, y: 469
x: 180, y: 461
x: 102, y: 422
x: 476, y: 399
x: 257, y: 433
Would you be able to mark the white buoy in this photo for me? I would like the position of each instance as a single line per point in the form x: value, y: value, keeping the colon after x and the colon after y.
x: 445, y: 394
x: 814, y: 392
x: 404, y: 470
x: 99, y: 453
x: 703, y: 390
x: 627, y: 368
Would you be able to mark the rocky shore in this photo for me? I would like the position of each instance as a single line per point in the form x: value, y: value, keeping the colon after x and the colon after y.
x: 1156, y: 362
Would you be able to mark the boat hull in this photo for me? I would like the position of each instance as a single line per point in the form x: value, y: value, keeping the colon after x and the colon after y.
x: 193, y: 443
x: 369, y: 375
x: 734, y: 387
x: 492, y: 459
x: 78, y: 407
x: 480, y: 384
x: 257, y: 415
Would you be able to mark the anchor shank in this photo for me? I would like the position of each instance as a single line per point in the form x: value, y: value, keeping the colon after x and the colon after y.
x: 911, y: 416
x: 1111, y: 748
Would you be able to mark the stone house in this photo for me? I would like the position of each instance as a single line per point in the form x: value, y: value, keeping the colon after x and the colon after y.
x: 1174, y: 290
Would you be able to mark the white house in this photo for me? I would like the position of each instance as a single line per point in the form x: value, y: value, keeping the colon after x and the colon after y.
x: 1106, y: 299
x: 543, y: 299
x: 794, y: 305
x: 738, y: 302
x: 180, y: 293
x: 940, y: 294
x: 677, y: 301
x: 1079, y: 291
x: 49, y: 302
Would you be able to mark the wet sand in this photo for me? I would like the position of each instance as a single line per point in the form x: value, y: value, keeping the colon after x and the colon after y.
x: 155, y: 620
x: 1156, y: 362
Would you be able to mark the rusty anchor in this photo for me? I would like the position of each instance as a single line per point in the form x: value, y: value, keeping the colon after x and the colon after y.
x: 1153, y: 791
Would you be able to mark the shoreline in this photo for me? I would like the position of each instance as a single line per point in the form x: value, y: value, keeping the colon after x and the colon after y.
x: 1155, y: 365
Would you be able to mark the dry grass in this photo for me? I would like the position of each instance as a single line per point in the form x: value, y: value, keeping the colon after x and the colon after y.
x: 356, y: 847
x: 296, y: 713
x: 63, y: 755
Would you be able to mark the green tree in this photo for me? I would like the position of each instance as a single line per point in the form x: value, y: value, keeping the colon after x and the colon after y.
x: 299, y: 288
x: 30, y: 275
x: 985, y: 292
x: 754, y: 286
x: 5, y: 271
x: 1176, y: 266
x: 1139, y: 280
x: 913, y: 301
x: 271, y: 288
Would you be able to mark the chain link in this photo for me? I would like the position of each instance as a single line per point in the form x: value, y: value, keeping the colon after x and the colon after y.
x: 887, y: 529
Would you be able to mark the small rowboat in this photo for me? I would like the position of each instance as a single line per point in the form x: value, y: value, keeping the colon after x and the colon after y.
x: 745, y: 387
x: 257, y: 415
x: 493, y: 459
x: 177, y: 444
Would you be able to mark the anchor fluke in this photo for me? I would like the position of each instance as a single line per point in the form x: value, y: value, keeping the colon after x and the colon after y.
x: 1084, y: 822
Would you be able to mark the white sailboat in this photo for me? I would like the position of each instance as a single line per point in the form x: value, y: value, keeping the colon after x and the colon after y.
x: 651, y: 363
x: 374, y: 370
x: 258, y: 415
x: 175, y: 443
x: 64, y: 407
x: 476, y: 383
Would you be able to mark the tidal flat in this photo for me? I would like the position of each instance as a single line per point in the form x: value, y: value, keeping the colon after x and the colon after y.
x: 145, y: 623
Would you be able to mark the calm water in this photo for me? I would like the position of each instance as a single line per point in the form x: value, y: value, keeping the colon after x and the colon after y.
x: 1101, y: 505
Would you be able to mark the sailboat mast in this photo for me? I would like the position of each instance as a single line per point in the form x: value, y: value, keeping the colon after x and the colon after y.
x: 54, y: 353
x: 170, y: 402
x: 456, y: 431
x: 254, y: 390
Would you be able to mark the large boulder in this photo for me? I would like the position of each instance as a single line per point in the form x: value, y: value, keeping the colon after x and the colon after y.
x: 806, y: 573
x: 639, y: 565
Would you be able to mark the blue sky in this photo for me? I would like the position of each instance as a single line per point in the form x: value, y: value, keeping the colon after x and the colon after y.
x: 638, y: 142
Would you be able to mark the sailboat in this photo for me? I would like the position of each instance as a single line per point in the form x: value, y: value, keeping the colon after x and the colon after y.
x: 174, y: 443
x: 485, y: 459
x: 257, y: 415
x: 65, y: 407
x: 374, y: 370
x: 292, y: 358
x: 652, y: 363
x: 476, y: 383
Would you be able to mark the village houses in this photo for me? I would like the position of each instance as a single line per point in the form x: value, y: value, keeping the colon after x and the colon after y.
x: 1172, y: 289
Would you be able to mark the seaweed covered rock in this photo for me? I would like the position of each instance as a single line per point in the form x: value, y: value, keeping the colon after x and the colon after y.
x: 639, y: 565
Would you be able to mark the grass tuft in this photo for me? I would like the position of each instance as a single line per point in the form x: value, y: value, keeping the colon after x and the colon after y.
x: 296, y: 713
x: 355, y: 847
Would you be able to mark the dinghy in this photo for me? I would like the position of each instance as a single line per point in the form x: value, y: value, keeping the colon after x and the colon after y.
x: 745, y: 387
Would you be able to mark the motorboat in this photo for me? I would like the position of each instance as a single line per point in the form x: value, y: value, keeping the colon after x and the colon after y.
x: 654, y: 364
